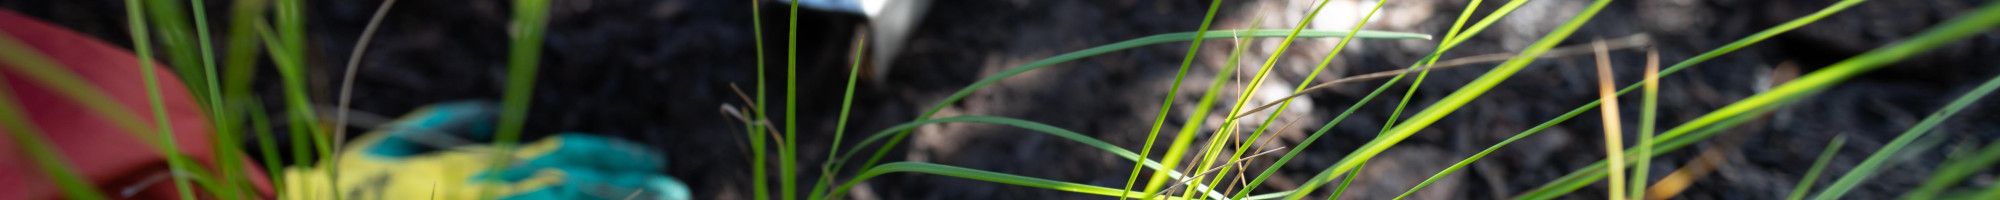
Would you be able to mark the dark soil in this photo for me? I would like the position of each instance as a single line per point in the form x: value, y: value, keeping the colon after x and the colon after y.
x: 661, y: 72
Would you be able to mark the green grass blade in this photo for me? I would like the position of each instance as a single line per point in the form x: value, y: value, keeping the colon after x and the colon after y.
x: 1453, y: 101
x: 239, y: 61
x: 267, y: 145
x: 1819, y: 165
x: 788, y: 171
x: 1342, y: 188
x: 523, y: 60
x: 1881, y: 157
x: 141, y: 43
x: 182, y: 51
x: 288, y: 46
x: 1023, y: 124
x: 227, y: 138
x: 1690, y: 62
x: 1173, y: 91
x: 1649, y: 114
x: 1956, y: 170
x: 840, y: 124
x: 759, y: 186
x: 1810, y: 83
x: 299, y: 135
x: 29, y: 141
x: 1613, y: 139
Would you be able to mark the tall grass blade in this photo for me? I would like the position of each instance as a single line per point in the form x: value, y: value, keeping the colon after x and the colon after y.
x: 1612, y: 138
x: 267, y: 145
x: 141, y: 44
x: 788, y: 171
x: 1649, y: 113
x: 759, y: 186
x: 226, y: 137
x: 239, y: 61
x: 238, y: 65
x: 840, y: 124
x: 182, y: 49
x: 523, y: 60
x: 289, y: 54
x: 1819, y: 165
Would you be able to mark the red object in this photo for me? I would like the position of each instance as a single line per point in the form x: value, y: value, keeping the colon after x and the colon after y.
x: 119, y: 165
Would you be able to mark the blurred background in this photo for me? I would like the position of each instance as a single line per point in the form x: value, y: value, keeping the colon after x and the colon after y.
x: 661, y: 72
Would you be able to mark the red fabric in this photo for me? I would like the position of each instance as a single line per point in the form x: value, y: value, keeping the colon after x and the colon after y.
x: 109, y: 157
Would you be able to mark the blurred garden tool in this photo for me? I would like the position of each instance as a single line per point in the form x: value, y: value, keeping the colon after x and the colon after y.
x: 891, y: 22
x: 437, y: 152
x: 109, y: 157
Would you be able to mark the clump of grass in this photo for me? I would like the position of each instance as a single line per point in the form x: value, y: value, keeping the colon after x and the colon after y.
x: 1649, y: 114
